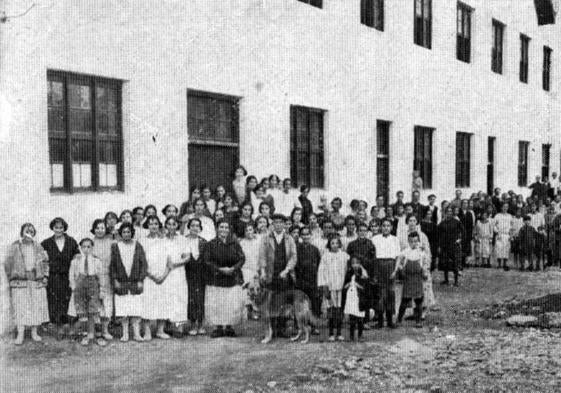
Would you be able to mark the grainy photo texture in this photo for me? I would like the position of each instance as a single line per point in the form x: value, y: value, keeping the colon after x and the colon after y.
x: 280, y: 196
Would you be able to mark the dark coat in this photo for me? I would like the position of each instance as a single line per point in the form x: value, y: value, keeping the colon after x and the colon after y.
x: 307, y: 208
x: 468, y: 221
x: 449, y: 232
x: 196, y: 271
x: 364, y: 249
x: 306, y: 270
x: 218, y: 254
x: 434, y: 215
x: 430, y: 229
x: 117, y: 272
x: 59, y: 261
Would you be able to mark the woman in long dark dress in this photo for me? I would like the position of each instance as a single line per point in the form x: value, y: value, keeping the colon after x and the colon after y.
x: 450, y: 235
x: 61, y: 249
x: 224, y: 299
x: 197, y: 273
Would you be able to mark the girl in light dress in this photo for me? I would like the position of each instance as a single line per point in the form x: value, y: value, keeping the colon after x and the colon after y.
x: 331, y: 278
x: 178, y: 254
x: 156, y: 288
x: 250, y: 245
x: 239, y: 184
x: 102, y: 250
x: 503, y: 229
x: 208, y: 229
x: 356, y: 302
x: 483, y: 240
x: 207, y: 197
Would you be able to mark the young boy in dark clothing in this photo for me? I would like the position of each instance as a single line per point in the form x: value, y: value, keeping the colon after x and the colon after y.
x: 527, y: 244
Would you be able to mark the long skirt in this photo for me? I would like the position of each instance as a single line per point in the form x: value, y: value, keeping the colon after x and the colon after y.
x: 58, y: 297
x: 129, y: 305
x: 224, y: 305
x: 30, y: 304
x: 502, y: 246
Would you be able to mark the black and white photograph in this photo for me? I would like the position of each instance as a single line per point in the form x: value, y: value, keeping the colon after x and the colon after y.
x: 267, y: 196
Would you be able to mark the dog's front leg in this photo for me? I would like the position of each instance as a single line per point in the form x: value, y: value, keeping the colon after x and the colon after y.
x: 269, y: 335
x: 295, y: 338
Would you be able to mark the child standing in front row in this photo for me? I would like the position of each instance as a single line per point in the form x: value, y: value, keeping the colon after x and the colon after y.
x: 483, y: 239
x: 84, y: 277
x: 413, y: 266
x: 331, y: 278
x: 356, y: 299
x: 527, y: 244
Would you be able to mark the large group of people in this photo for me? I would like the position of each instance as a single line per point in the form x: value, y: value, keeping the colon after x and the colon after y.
x: 198, y: 264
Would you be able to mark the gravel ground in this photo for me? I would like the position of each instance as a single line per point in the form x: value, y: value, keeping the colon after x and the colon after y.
x: 456, y: 351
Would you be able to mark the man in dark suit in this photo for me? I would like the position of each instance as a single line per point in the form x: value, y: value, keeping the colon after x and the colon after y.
x: 432, y: 208
x: 467, y: 218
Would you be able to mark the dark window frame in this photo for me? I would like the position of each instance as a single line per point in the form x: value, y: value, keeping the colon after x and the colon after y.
x: 497, y: 51
x: 524, y: 57
x: 463, y: 159
x: 383, y: 149
x: 463, y: 32
x: 422, y: 23
x: 314, y: 176
x: 546, y: 72
x: 96, y: 137
x: 523, y: 147
x: 546, y: 160
x: 372, y: 13
x: 313, y: 3
x: 422, y: 154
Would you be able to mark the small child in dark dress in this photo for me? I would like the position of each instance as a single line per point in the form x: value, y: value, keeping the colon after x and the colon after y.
x: 356, y: 299
x: 527, y: 244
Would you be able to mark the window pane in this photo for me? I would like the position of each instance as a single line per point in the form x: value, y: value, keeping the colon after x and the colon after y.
x: 81, y: 175
x: 107, y: 175
x: 57, y: 150
x: 80, y: 121
x: 57, y: 175
x: 79, y: 96
x: 56, y: 120
x: 56, y: 93
x: 81, y: 150
x: 418, y: 8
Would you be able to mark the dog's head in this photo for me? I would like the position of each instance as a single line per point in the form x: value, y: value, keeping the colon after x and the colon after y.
x: 257, y: 293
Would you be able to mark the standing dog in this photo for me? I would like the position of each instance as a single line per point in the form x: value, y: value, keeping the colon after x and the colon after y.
x: 293, y: 304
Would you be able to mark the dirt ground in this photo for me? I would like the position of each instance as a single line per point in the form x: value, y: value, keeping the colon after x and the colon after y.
x: 456, y: 351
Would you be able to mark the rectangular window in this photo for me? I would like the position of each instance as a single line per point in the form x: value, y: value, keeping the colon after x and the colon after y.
x: 372, y: 13
x: 306, y: 146
x: 545, y: 160
x: 463, y: 154
x: 497, y: 52
x: 524, y: 47
x: 213, y: 127
x: 423, y: 23
x: 546, y: 67
x: 523, y: 163
x: 463, y: 27
x: 315, y: 3
x: 85, y: 135
x: 383, y: 158
x: 422, y: 161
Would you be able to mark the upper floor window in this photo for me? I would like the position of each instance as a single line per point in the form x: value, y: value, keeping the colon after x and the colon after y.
x: 372, y: 13
x: 546, y: 68
x: 463, y: 34
x: 315, y: 3
x: 497, y: 52
x: 423, y: 23
x: 463, y: 156
x: 85, y: 132
x: 306, y: 146
x: 524, y: 47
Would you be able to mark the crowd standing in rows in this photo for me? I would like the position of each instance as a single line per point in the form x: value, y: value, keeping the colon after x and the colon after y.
x: 202, y: 260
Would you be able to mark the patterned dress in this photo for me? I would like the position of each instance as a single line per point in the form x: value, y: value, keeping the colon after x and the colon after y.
x: 483, y: 238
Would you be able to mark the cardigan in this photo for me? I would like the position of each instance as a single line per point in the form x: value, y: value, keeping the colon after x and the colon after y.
x: 14, y: 264
x: 117, y: 272
x: 59, y: 261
